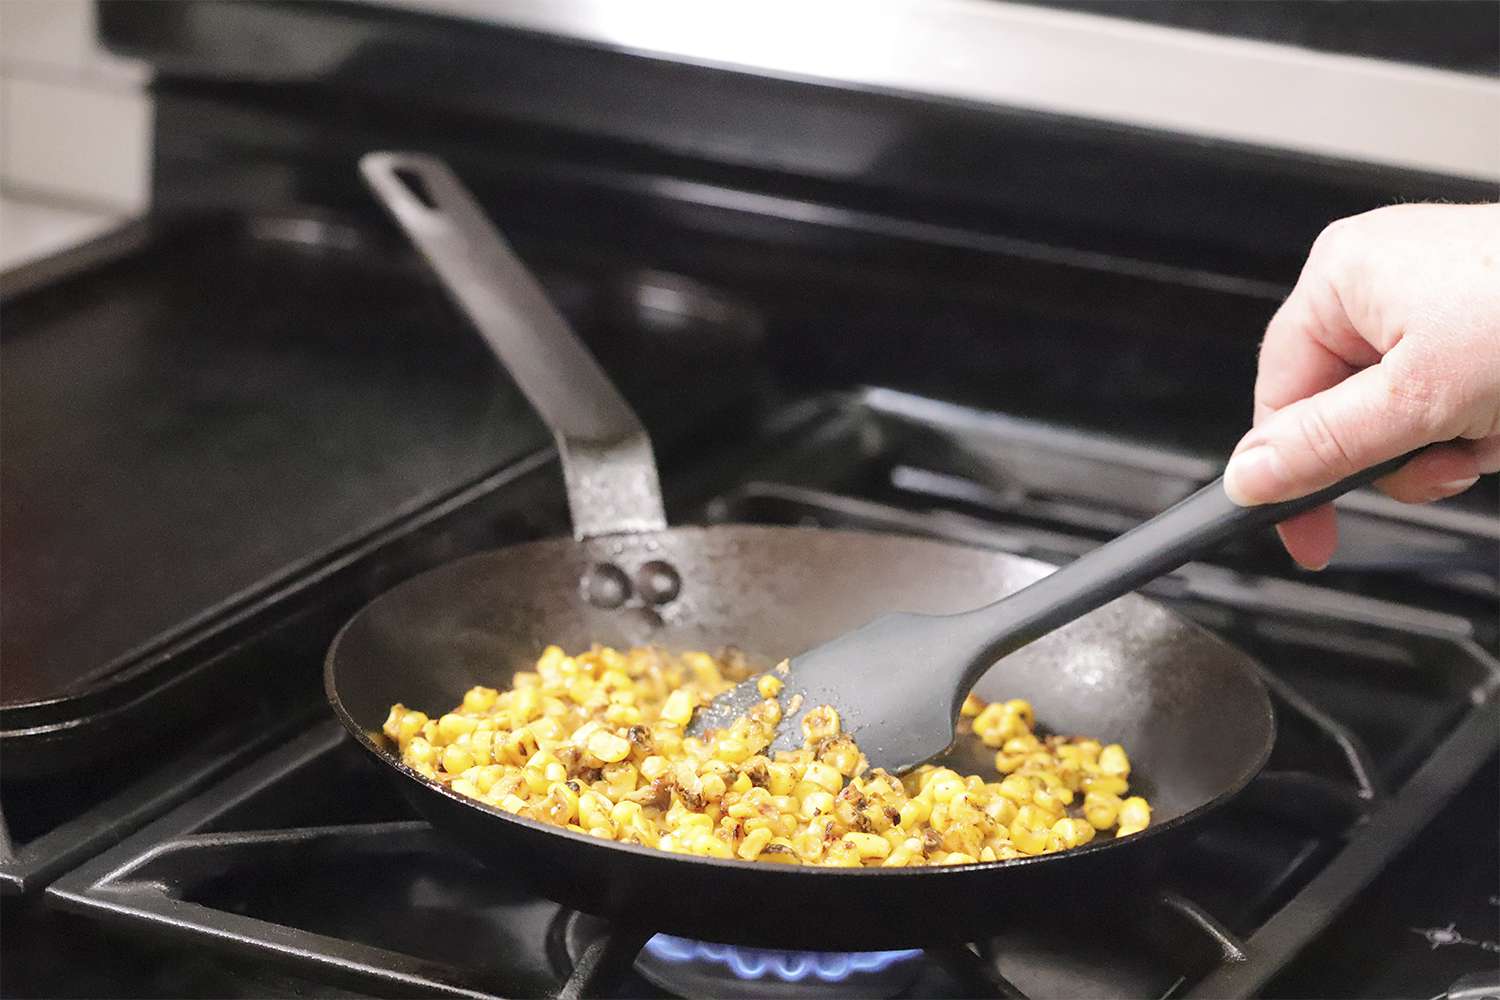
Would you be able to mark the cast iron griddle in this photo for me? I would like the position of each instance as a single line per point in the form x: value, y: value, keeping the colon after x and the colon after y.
x: 189, y: 423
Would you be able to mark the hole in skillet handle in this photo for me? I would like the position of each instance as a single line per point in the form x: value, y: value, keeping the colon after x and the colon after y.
x: 416, y: 185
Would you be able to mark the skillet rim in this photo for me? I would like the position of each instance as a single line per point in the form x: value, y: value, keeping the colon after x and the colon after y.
x: 1243, y: 663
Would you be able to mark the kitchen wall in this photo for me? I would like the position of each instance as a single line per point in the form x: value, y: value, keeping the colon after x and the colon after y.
x: 75, y: 130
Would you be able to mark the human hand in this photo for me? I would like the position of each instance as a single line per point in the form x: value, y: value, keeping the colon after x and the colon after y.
x: 1389, y: 341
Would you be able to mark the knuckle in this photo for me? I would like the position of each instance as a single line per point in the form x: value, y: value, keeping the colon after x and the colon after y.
x: 1321, y: 439
x: 1426, y: 396
x: 1334, y: 236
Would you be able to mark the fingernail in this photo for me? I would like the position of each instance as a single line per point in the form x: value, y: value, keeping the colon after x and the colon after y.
x: 1256, y: 475
x: 1453, y: 487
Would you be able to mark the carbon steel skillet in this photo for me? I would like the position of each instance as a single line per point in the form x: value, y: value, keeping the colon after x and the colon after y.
x: 1191, y: 710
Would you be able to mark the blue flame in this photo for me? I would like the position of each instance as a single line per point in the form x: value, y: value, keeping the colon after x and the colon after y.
x: 788, y: 966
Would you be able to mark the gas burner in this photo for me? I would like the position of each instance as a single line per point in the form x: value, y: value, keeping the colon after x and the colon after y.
x: 701, y: 968
x: 690, y: 968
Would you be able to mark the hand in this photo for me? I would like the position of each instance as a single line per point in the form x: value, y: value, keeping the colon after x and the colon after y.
x: 1389, y: 341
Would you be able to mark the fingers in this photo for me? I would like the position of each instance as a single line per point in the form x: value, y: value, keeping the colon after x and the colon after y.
x: 1293, y: 364
x: 1315, y: 442
x: 1309, y: 345
x: 1441, y: 471
x: 1311, y: 538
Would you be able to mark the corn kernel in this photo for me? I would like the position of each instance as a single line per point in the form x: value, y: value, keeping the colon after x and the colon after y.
x: 945, y: 787
x: 915, y: 812
x: 594, y: 811
x: 957, y: 858
x: 753, y: 844
x: 769, y: 685
x: 1002, y: 810
x: 823, y: 776
x: 868, y: 846
x: 451, y: 727
x: 1045, y: 800
x: 1135, y: 816
x: 780, y: 779
x: 1101, y: 809
x: 731, y: 750
x: 1112, y: 761
x: 679, y: 707
x: 712, y: 788
x: 808, y: 845
x: 526, y: 705
x: 622, y: 715
x: 480, y: 699
x: 1029, y: 840
x: 608, y: 747
x: 561, y: 804
x: 456, y: 760
x: 903, y: 854
x: 1017, y: 788
x: 816, y: 803
x: 820, y: 723
x: 419, y: 751
x: 1072, y: 832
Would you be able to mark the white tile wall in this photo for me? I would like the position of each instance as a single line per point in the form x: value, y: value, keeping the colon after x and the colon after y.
x: 75, y: 129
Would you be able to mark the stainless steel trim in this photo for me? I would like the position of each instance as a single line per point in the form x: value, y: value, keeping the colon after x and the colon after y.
x: 1069, y: 63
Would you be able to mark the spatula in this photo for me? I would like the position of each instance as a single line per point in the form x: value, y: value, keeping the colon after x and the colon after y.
x: 898, y: 682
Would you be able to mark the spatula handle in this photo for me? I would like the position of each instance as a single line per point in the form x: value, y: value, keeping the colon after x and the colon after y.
x: 1183, y: 532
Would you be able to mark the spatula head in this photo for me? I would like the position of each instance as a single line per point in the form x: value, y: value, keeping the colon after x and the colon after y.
x: 892, y: 683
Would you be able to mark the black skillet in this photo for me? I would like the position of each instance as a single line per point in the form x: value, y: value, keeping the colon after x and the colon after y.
x: 1191, y: 710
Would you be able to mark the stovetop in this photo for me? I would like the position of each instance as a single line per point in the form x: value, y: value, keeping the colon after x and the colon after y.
x: 1334, y: 875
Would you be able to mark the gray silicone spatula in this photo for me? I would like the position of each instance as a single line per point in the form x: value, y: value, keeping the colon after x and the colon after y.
x: 898, y: 682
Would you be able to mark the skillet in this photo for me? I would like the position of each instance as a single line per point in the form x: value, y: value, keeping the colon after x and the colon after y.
x: 1191, y: 710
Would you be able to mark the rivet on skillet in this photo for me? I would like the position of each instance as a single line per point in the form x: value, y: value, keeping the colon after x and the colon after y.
x: 657, y: 582
x: 639, y: 622
x: 605, y: 586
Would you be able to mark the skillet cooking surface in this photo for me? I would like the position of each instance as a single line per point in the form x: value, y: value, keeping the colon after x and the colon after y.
x: 1190, y: 710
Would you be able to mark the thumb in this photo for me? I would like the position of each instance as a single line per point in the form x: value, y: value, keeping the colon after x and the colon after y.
x: 1323, y: 438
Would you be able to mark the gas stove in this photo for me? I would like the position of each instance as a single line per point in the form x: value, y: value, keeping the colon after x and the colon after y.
x: 1030, y: 369
x: 306, y: 870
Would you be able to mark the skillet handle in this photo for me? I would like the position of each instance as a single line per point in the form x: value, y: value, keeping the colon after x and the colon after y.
x: 608, y: 465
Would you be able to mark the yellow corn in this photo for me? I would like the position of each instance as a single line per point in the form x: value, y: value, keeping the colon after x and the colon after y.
x: 957, y: 858
x: 753, y: 844
x: 1135, y: 815
x: 608, y: 747
x: 1072, y: 832
x: 1112, y: 761
x: 451, y: 727
x: 1101, y: 809
x: 478, y: 700
x: 679, y: 707
x: 595, y: 744
x: 820, y: 723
